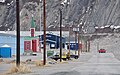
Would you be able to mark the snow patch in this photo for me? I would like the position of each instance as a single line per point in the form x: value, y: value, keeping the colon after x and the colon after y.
x: 5, y: 45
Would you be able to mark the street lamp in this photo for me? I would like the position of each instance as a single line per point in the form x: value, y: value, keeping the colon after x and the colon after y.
x: 60, y: 10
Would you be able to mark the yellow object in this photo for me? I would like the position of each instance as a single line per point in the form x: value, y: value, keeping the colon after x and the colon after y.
x: 68, y: 54
x: 63, y: 55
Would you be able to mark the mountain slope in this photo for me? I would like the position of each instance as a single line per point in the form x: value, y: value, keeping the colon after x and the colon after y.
x: 86, y: 14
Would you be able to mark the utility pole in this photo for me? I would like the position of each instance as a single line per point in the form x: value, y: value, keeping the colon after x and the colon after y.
x: 89, y: 44
x: 75, y: 42
x: 44, y: 21
x: 78, y: 44
x: 76, y: 30
x: 39, y: 44
x: 69, y: 39
x: 97, y: 41
x: 40, y: 27
x: 86, y: 47
x: 61, y: 31
x: 40, y: 13
x: 60, y: 35
x: 18, y: 34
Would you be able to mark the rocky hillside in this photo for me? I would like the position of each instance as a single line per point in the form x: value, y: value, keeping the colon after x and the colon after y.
x: 89, y: 15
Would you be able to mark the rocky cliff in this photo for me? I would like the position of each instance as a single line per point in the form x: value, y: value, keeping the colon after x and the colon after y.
x: 88, y: 15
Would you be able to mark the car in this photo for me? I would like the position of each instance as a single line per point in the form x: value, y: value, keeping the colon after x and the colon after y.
x: 57, y: 56
x: 102, y: 51
x: 72, y: 56
x: 64, y: 56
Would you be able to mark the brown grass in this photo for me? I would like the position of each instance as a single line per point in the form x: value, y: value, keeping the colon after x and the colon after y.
x: 21, y: 69
x: 24, y: 69
x: 38, y: 63
x: 12, y: 70
x: 1, y: 60
x: 9, y: 61
x: 3, y: 74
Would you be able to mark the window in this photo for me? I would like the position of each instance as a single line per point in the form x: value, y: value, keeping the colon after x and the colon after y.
x: 52, y: 45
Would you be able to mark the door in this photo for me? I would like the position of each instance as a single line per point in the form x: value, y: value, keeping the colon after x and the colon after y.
x: 34, y: 45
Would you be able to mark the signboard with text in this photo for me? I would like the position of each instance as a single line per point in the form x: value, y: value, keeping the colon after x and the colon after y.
x: 32, y: 32
x: 27, y: 45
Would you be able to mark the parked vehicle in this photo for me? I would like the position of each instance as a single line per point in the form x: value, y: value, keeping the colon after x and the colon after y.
x: 102, y: 51
x: 73, y: 56
x: 57, y: 56
x: 64, y: 56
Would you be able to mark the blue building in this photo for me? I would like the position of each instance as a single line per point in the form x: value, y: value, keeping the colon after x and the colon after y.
x: 11, y: 41
x: 73, y: 45
x: 52, y: 41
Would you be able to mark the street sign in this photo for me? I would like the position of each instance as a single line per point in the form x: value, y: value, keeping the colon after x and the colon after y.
x: 76, y: 29
x: 2, y: 1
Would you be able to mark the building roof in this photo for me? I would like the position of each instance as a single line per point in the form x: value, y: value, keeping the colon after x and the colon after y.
x: 48, y: 40
x: 30, y: 38
x: 5, y: 45
x: 32, y: 23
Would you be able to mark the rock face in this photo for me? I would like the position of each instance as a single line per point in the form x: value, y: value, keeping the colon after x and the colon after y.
x: 104, y: 13
x: 86, y: 14
x: 7, y: 15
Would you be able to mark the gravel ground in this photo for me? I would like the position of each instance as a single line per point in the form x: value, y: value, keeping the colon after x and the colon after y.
x: 81, y: 66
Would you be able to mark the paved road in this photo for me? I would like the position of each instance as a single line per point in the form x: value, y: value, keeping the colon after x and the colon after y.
x: 88, y: 64
x: 100, y: 64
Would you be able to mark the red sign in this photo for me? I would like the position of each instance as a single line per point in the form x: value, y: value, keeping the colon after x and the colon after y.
x: 32, y: 32
x: 27, y: 45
